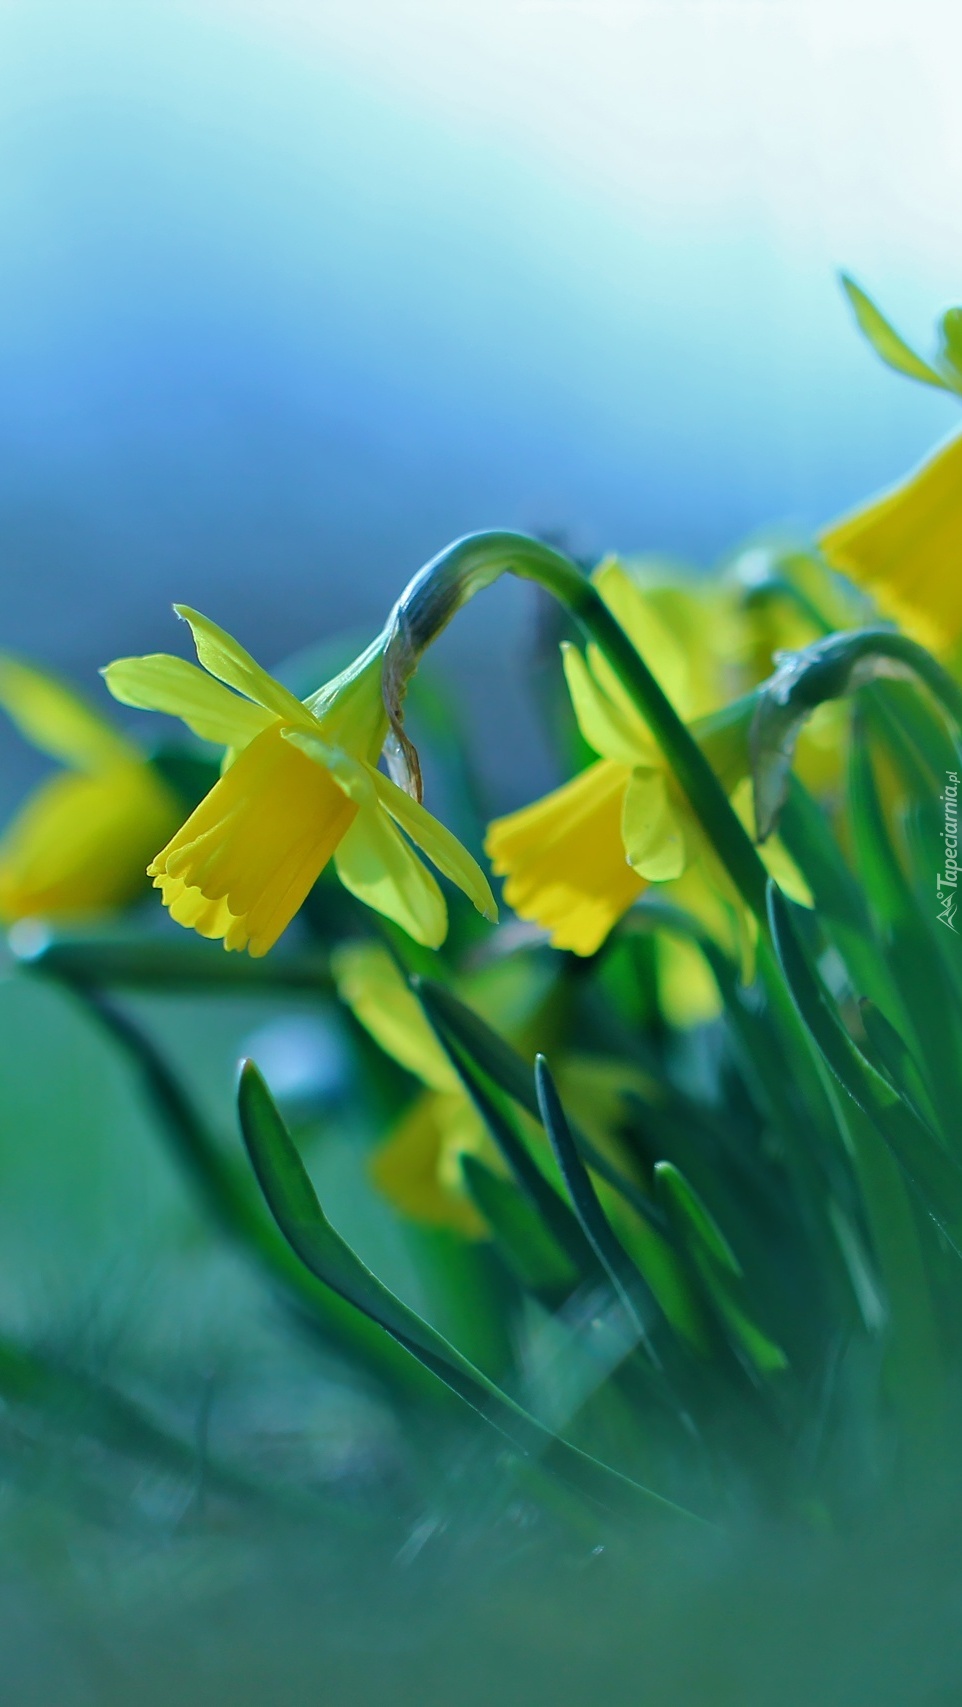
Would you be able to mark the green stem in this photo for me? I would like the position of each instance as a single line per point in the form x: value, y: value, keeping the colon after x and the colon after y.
x: 439, y: 590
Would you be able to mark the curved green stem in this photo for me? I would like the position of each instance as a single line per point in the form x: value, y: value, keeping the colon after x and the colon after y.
x: 440, y: 589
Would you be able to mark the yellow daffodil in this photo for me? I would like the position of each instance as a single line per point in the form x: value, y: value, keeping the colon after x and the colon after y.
x: 905, y: 548
x: 80, y: 843
x: 301, y: 785
x: 576, y: 860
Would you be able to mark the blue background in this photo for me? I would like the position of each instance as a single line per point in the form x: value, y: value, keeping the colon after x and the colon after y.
x: 292, y: 295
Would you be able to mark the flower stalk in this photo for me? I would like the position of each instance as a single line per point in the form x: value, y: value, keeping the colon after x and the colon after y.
x: 472, y: 563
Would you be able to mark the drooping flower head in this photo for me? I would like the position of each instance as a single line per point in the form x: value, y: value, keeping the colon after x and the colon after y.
x: 301, y: 785
x: 79, y: 844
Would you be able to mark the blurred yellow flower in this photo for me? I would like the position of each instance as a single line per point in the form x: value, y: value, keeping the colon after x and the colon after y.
x: 79, y: 844
x: 301, y: 785
x: 418, y: 1167
x: 905, y: 548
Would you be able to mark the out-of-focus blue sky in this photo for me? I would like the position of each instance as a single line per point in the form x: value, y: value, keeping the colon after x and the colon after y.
x: 291, y: 294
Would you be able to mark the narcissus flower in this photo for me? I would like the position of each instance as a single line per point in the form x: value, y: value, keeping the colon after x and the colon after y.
x: 905, y: 548
x: 301, y: 785
x: 79, y: 844
x: 575, y: 861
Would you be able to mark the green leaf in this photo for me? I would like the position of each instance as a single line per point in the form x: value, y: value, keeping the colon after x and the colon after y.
x: 893, y: 1057
x: 224, y: 1193
x: 496, y: 1059
x: 521, y: 1238
x: 718, y: 1268
x: 885, y: 341
x: 927, y: 1012
x: 932, y: 1172
x: 840, y: 903
x: 554, y: 1214
x: 902, y: 1237
x: 182, y: 963
x: 294, y: 1205
x: 684, y: 1201
x: 629, y: 1284
x: 950, y: 331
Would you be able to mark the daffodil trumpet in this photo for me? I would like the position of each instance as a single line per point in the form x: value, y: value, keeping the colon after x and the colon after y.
x: 300, y: 786
x: 470, y: 564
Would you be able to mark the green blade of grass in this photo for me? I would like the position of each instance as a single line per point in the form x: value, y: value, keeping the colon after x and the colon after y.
x: 840, y: 903
x: 294, y: 1204
x: 627, y: 1280
x: 902, y: 1234
x: 927, y: 1008
x: 520, y: 1236
x: 453, y: 1020
x: 927, y: 1165
x: 556, y: 1218
x: 719, y: 1270
x: 893, y: 1057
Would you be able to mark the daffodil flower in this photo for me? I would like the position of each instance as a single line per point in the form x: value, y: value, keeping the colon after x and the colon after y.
x: 905, y: 548
x: 301, y: 785
x: 79, y: 844
x: 575, y: 861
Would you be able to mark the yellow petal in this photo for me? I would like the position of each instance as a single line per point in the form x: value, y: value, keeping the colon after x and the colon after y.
x: 441, y: 847
x: 58, y: 721
x: 80, y: 844
x: 610, y: 726
x: 370, y: 983
x: 374, y: 861
x: 256, y: 843
x: 905, y: 547
x: 650, y: 828
x: 161, y: 682
x: 378, y: 866
x: 226, y: 659
x: 418, y: 1168
x: 564, y: 859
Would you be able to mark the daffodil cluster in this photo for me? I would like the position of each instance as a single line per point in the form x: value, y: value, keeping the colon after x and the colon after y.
x: 302, y: 784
